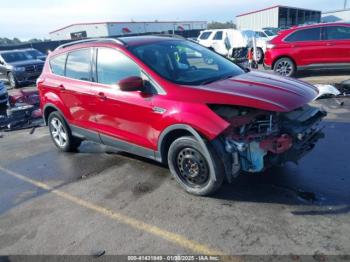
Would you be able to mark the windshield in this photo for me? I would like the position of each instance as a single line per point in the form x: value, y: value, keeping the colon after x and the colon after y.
x: 184, y: 62
x: 16, y: 57
x: 34, y: 53
x: 269, y: 33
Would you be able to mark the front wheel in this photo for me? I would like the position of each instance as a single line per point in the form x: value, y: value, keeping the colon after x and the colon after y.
x: 285, y: 67
x: 12, y: 80
x: 198, y: 172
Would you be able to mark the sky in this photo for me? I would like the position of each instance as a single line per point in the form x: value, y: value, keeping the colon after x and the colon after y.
x: 36, y: 18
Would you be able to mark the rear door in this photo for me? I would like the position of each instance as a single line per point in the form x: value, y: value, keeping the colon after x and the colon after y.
x: 306, y: 46
x: 337, y: 41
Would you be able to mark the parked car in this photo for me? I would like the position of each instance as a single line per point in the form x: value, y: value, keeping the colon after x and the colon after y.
x: 319, y: 46
x: 202, y: 115
x: 36, y: 54
x: 19, y: 68
x: 3, y: 94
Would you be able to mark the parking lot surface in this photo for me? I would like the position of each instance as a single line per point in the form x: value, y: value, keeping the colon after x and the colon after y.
x: 100, y: 199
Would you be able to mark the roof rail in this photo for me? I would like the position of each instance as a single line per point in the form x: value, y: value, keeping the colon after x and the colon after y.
x: 169, y: 35
x: 118, y: 41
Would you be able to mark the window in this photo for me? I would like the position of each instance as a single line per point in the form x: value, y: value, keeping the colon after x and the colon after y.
x: 218, y: 35
x: 205, y: 35
x: 259, y: 34
x: 311, y: 34
x: 57, y: 64
x: 112, y: 66
x: 183, y: 62
x: 337, y: 32
x: 79, y: 65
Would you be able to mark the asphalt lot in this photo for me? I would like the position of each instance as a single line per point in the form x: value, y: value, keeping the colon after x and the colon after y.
x: 100, y: 199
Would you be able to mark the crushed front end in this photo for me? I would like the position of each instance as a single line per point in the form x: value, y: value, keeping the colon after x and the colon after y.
x: 256, y: 139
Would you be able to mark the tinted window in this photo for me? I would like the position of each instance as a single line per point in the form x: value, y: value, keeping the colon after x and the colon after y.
x: 57, y: 64
x: 205, y: 35
x: 184, y: 62
x: 79, y: 64
x: 15, y: 57
x: 112, y: 66
x: 337, y: 32
x: 312, y: 34
x: 218, y: 35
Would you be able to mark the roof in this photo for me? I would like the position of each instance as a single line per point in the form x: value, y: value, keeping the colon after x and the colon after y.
x: 119, y: 22
x: 273, y: 7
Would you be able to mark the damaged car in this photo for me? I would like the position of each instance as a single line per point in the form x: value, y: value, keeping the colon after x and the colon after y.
x: 178, y: 103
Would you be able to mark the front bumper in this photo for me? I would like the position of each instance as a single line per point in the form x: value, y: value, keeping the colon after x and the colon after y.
x: 26, y: 77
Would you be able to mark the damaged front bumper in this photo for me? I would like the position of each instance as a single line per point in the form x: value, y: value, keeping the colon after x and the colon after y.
x: 257, y: 140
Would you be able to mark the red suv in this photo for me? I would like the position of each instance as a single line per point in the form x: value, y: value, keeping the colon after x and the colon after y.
x: 320, y: 46
x: 178, y: 103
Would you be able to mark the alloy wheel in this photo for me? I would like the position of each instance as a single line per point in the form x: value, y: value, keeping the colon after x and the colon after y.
x: 284, y: 68
x: 58, y: 132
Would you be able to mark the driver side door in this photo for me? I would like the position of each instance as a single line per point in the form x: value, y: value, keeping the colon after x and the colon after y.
x: 125, y: 118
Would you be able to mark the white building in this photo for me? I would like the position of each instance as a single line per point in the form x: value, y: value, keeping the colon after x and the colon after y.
x: 277, y: 16
x: 105, y: 29
x: 337, y: 15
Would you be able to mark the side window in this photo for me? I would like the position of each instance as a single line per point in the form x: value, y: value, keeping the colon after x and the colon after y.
x: 57, y: 64
x: 311, y: 34
x: 112, y: 66
x: 205, y: 35
x: 218, y: 35
x: 79, y: 65
x: 337, y: 32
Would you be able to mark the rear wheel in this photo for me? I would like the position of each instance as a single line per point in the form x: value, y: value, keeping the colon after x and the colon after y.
x: 259, y: 55
x: 197, y: 172
x: 61, y: 134
x: 285, y: 67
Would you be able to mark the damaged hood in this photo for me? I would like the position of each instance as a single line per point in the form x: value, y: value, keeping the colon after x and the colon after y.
x: 258, y: 88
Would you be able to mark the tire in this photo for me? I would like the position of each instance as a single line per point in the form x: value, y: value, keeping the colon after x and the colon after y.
x: 12, y: 80
x: 285, y: 67
x: 259, y: 55
x: 198, y: 172
x: 61, y: 134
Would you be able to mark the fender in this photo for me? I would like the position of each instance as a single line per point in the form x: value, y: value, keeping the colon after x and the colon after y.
x: 48, y: 105
x: 191, y: 130
x: 52, y: 100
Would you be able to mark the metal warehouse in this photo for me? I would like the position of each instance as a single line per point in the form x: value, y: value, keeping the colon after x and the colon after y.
x: 277, y: 16
x: 104, y: 29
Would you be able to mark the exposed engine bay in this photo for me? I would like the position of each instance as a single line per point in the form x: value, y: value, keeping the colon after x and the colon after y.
x: 259, y: 139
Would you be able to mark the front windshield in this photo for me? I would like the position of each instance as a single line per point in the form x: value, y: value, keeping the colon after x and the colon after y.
x: 184, y: 62
x: 269, y: 33
x: 34, y: 53
x: 16, y: 57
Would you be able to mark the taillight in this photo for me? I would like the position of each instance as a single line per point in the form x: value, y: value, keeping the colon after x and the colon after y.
x: 269, y: 45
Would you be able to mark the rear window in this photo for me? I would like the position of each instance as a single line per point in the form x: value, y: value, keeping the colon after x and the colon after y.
x: 337, y: 32
x: 79, y: 65
x: 311, y: 34
x: 57, y: 64
x: 205, y: 35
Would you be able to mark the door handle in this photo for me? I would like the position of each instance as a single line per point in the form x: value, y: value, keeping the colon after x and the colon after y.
x: 102, y: 96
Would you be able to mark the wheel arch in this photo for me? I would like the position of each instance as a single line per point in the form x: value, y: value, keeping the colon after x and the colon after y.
x: 283, y: 56
x: 48, y: 109
x: 171, y: 133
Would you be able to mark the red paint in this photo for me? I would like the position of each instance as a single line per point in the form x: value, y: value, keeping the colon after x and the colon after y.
x: 309, y: 52
x: 277, y: 145
x: 130, y: 116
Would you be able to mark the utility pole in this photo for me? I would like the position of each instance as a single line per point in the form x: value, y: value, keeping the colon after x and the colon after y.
x: 345, y: 1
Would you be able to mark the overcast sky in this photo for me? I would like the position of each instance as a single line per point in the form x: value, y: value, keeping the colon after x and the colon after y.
x: 36, y: 18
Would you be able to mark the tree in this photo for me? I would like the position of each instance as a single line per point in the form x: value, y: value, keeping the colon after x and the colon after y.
x: 219, y: 25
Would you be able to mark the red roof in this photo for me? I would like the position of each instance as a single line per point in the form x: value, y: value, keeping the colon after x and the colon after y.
x: 149, y: 22
x: 273, y: 7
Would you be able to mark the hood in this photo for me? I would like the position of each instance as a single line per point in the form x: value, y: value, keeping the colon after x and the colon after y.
x: 27, y: 62
x: 263, y: 89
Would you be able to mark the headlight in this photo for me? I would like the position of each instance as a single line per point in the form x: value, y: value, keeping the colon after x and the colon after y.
x: 20, y: 69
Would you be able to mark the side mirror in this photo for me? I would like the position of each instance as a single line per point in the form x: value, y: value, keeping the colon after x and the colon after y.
x: 132, y: 83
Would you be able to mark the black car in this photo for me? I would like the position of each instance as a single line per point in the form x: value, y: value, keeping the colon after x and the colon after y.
x: 19, y: 68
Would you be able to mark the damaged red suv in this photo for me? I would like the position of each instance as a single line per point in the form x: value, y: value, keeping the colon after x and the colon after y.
x: 178, y: 103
